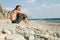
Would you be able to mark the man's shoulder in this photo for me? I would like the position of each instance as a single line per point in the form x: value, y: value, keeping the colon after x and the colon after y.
x: 14, y: 11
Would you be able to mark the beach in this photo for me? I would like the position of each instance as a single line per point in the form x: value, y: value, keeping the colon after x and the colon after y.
x: 38, y: 30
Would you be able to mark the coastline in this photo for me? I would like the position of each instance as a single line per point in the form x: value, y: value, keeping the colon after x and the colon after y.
x: 53, y: 26
x: 38, y: 29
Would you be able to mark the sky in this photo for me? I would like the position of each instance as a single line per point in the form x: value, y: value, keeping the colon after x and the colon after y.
x: 35, y: 8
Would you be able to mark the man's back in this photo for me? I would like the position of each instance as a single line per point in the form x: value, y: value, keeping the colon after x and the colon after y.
x: 13, y: 15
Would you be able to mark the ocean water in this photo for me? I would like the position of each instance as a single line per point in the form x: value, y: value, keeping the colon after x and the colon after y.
x: 46, y: 20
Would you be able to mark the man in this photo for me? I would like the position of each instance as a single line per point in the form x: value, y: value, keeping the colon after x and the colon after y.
x: 17, y: 15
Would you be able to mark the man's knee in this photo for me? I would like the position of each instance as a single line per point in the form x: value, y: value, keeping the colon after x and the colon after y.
x: 20, y: 14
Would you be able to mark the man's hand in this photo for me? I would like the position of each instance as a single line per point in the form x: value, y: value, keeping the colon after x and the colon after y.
x: 25, y: 14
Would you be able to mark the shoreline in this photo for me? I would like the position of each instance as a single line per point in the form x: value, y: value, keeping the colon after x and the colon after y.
x: 38, y: 29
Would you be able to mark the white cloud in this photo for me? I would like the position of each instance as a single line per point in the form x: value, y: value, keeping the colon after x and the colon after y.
x: 30, y: 1
x: 43, y: 5
x: 53, y: 5
x: 49, y: 6
x: 46, y: 11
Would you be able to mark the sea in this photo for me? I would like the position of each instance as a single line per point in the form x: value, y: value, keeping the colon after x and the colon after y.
x: 46, y: 20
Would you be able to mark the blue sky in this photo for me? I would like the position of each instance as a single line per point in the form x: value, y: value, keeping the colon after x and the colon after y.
x: 35, y: 8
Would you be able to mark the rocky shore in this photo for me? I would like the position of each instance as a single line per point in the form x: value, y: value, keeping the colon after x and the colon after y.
x: 37, y: 31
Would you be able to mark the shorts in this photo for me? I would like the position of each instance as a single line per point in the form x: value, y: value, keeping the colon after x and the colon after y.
x: 19, y: 18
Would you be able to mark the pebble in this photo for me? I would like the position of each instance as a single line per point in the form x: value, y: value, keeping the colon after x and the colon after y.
x: 31, y: 37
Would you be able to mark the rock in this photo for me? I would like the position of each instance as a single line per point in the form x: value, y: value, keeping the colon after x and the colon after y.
x: 42, y: 39
x: 53, y: 38
x: 12, y: 30
x: 15, y: 37
x: 18, y: 37
x: 9, y: 31
x: 44, y: 36
x: 26, y: 33
x: 31, y: 37
x: 37, y: 32
x: 59, y: 39
x: 57, y: 34
x: 37, y: 39
x: 2, y: 39
x: 5, y: 31
x: 31, y: 32
x: 2, y: 36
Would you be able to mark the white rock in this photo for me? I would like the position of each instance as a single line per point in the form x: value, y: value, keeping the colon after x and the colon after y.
x: 12, y: 30
x: 18, y: 37
x: 7, y: 31
x: 45, y: 36
x: 59, y: 39
x: 2, y: 36
x: 2, y: 39
x: 31, y: 37
x: 37, y: 39
x: 31, y: 32
x: 15, y: 37
x: 9, y: 36
x: 53, y: 38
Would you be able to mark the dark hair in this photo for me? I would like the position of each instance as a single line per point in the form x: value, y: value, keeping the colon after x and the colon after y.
x: 17, y: 6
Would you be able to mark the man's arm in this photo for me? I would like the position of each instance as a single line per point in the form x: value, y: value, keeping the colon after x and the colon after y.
x: 21, y: 12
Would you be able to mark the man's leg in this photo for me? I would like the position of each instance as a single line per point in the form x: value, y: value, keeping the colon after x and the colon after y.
x: 19, y: 18
x: 26, y: 21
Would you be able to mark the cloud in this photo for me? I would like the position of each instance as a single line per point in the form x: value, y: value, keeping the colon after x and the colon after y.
x: 54, y: 5
x: 46, y: 11
x: 30, y: 1
x: 49, y: 6
x: 43, y: 5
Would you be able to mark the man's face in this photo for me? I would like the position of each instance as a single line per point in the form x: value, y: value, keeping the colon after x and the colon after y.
x: 18, y: 8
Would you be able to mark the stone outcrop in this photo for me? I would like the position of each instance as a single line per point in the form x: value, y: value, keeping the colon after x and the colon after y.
x: 4, y: 13
x: 9, y: 31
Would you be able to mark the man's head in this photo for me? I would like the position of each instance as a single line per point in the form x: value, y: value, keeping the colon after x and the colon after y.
x: 18, y: 7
